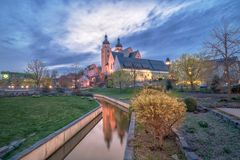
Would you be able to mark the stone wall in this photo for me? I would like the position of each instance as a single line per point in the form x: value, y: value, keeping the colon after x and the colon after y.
x: 15, y: 93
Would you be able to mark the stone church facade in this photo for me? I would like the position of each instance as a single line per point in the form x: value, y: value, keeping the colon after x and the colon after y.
x: 117, y: 58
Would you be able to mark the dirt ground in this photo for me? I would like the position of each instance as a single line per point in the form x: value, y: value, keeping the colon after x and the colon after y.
x: 143, y: 147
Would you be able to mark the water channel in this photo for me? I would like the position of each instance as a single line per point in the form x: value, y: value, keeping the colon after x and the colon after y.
x: 103, y: 139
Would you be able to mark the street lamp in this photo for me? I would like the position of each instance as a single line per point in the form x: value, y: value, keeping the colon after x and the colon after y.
x: 168, y: 62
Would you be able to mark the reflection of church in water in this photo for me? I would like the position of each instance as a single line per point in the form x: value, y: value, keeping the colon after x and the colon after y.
x: 114, y: 120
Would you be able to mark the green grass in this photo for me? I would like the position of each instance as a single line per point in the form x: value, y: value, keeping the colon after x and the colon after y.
x: 122, y: 94
x: 22, y: 116
x: 176, y: 94
x: 126, y: 93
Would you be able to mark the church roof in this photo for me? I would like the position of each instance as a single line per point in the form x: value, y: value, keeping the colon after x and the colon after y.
x: 134, y: 63
x: 124, y: 54
x: 117, y: 54
x: 133, y: 54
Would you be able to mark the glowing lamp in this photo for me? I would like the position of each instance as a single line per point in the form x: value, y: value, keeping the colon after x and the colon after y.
x: 5, y: 76
x: 168, y: 62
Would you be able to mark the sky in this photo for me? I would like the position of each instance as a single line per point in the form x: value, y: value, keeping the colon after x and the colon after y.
x: 65, y: 32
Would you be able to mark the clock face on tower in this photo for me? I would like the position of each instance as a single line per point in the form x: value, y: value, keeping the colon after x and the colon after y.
x: 5, y: 76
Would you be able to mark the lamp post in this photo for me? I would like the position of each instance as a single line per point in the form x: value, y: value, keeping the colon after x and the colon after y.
x: 168, y: 63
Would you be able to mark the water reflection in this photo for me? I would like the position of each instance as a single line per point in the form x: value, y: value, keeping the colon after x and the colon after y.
x: 107, y: 140
x: 114, y: 120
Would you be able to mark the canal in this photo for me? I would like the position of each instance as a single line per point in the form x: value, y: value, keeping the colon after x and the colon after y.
x: 103, y: 139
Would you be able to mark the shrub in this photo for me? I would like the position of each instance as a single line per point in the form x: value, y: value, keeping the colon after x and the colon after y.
x: 215, y: 84
x: 160, y: 78
x: 226, y: 150
x: 236, y: 88
x: 190, y: 130
x: 169, y: 85
x: 77, y: 92
x: 236, y: 98
x: 157, y: 112
x: 60, y: 90
x: 223, y: 100
x: 45, y: 90
x: 36, y: 96
x: 203, y: 124
x: 191, y: 104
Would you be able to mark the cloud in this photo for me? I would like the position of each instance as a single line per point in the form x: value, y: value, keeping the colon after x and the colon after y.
x: 63, y: 32
x: 85, y: 27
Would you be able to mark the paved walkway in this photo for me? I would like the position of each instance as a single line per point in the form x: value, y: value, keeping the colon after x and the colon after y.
x: 232, y: 111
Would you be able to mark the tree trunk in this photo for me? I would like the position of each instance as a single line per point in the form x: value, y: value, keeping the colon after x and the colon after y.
x: 192, y: 86
x: 134, y: 81
x: 227, y: 59
x: 228, y: 81
x: 38, y: 84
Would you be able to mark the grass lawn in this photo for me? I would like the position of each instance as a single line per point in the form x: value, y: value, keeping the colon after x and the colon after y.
x: 122, y: 94
x: 219, y: 140
x: 176, y: 94
x: 35, y: 118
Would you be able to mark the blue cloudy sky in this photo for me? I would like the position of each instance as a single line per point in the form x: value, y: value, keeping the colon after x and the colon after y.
x: 66, y: 32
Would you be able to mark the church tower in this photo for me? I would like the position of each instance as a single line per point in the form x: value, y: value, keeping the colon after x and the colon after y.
x: 105, y: 52
x: 118, y: 47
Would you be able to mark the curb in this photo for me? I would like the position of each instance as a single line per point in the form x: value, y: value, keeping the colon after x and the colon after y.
x: 227, y: 118
x: 129, y: 154
x: 185, y: 148
x: 124, y: 106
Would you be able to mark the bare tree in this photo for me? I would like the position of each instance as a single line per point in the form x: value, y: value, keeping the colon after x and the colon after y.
x: 76, y: 71
x: 37, y: 69
x: 54, y: 75
x: 188, y: 68
x: 225, y: 44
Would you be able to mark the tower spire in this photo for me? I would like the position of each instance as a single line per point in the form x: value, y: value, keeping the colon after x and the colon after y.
x: 118, y: 43
x: 106, y: 39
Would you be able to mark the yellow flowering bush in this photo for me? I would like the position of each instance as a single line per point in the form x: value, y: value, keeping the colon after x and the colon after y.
x: 157, y: 112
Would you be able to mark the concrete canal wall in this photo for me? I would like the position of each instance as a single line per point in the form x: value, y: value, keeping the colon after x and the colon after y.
x: 121, y: 104
x: 47, y: 146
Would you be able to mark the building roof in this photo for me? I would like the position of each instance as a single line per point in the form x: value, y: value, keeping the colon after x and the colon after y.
x: 117, y: 54
x: 124, y: 54
x: 133, y: 63
x: 133, y: 54
x: 221, y: 60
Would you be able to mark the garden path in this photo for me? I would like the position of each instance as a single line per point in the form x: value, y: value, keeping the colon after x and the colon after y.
x: 233, y: 111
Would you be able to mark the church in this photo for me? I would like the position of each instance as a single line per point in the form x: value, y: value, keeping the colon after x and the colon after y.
x: 129, y: 60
